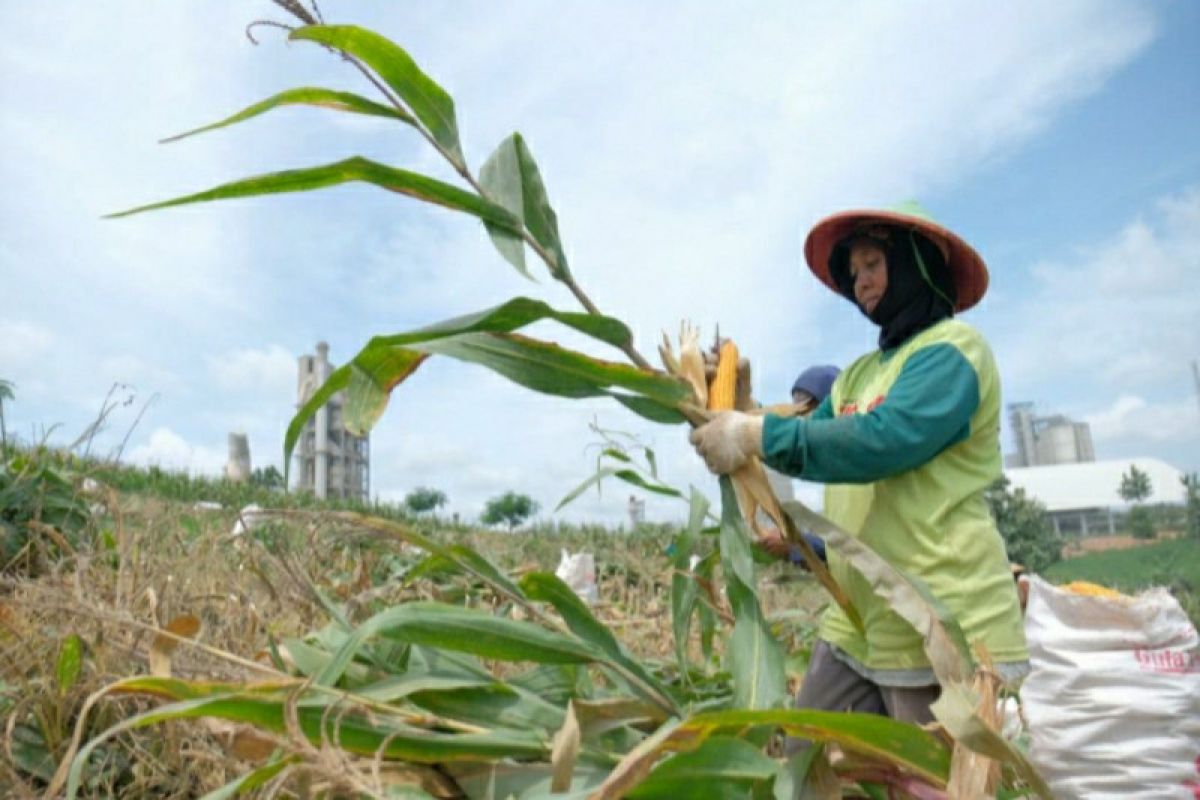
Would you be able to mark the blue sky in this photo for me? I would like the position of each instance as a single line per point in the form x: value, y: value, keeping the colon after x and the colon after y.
x: 687, y: 147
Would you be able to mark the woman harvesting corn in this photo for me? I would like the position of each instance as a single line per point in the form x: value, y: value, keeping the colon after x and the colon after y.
x: 907, y: 442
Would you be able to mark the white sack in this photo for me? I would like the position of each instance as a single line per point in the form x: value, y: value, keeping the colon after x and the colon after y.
x: 1113, y: 699
x: 578, y: 571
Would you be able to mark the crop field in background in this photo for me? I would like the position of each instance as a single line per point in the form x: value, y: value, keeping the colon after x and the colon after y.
x: 252, y: 592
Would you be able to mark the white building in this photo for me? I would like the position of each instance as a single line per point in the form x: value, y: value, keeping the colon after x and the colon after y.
x: 1082, y: 497
x: 330, y: 462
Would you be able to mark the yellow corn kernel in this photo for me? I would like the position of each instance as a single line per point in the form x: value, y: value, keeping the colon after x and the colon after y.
x: 1090, y: 589
x: 723, y: 391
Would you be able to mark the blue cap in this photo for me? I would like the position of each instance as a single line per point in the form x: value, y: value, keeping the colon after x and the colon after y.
x: 816, y: 381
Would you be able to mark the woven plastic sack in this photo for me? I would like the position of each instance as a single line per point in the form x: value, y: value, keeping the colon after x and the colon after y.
x: 1113, y: 698
x: 578, y: 570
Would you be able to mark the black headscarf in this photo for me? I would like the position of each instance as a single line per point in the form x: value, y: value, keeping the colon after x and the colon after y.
x: 920, y: 288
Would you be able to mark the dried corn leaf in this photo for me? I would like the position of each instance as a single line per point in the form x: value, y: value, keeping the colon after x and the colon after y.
x: 185, y: 626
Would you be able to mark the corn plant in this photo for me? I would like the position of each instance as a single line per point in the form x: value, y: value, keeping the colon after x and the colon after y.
x: 44, y: 513
x: 406, y: 700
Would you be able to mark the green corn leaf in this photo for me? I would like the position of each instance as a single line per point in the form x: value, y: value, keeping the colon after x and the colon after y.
x: 500, y: 177
x: 354, y: 733
x: 630, y: 476
x: 683, y: 585
x: 720, y: 767
x: 945, y: 643
x: 511, y: 178
x: 551, y: 589
x: 482, y: 567
x: 463, y: 557
x: 649, y: 409
x: 755, y: 656
x: 304, y: 96
x: 251, y: 780
x: 432, y: 661
x: 489, y: 706
x: 461, y: 630
x: 526, y: 781
x: 429, y: 102
x: 548, y: 368
x: 807, y: 774
x: 70, y: 662
x: 557, y: 683
x: 356, y: 168
x: 386, y: 361
x: 398, y: 687
x: 634, y: 478
x: 900, y: 744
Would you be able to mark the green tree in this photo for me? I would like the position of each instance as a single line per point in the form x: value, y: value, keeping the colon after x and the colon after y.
x: 1134, y: 488
x: 423, y: 498
x: 1191, y: 488
x: 1140, y: 522
x: 6, y: 393
x: 1028, y: 533
x: 1135, y: 485
x: 510, y: 508
x: 267, y: 477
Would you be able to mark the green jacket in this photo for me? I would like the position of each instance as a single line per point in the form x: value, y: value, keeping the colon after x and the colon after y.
x: 908, y: 441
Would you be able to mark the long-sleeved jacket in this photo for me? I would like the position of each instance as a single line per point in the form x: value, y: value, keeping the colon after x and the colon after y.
x: 907, y: 442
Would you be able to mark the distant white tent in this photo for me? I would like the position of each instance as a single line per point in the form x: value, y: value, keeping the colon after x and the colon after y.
x: 1086, y: 494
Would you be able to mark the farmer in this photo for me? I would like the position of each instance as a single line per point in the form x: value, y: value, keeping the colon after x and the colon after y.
x: 809, y: 390
x: 907, y: 441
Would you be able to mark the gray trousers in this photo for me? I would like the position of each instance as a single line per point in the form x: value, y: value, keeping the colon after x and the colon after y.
x: 830, y: 685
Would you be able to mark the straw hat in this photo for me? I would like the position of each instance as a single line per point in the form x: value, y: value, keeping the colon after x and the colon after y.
x: 966, y: 265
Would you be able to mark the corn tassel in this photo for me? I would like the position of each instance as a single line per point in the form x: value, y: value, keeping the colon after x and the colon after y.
x: 722, y: 394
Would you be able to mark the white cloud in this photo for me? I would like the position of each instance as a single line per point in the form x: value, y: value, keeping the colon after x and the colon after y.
x: 169, y: 450
x: 1133, y: 417
x: 1121, y: 314
x: 270, y: 370
x: 22, y: 344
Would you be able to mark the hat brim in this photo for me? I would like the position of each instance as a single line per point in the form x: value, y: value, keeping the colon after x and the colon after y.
x: 969, y: 271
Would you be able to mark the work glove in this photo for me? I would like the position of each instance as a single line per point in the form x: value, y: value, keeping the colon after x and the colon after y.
x: 728, y: 441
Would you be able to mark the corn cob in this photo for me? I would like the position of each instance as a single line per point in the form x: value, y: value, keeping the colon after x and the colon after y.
x: 722, y: 393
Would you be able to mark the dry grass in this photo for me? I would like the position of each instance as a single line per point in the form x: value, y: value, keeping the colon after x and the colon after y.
x: 170, y: 561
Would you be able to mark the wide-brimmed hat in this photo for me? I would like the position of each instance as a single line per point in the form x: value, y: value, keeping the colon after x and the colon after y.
x: 966, y: 265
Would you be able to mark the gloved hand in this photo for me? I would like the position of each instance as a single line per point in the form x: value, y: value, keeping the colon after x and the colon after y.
x: 728, y: 441
x: 742, y: 400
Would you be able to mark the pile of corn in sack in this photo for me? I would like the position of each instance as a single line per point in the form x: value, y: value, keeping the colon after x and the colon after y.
x: 1092, y: 590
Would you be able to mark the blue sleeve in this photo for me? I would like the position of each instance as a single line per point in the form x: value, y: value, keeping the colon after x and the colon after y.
x: 927, y: 409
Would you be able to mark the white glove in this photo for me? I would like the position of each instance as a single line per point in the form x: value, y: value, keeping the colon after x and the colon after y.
x: 728, y: 441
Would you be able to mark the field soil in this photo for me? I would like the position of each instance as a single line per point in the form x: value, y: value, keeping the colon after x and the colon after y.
x: 1099, y: 544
